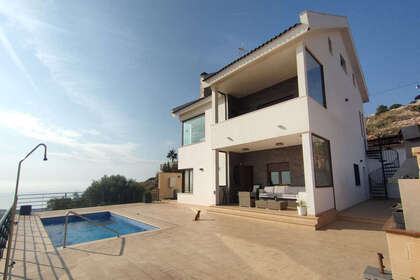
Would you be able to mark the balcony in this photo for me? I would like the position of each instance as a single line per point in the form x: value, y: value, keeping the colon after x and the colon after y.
x: 277, y: 122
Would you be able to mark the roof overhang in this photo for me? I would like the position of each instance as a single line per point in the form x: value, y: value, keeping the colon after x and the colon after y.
x: 310, y: 22
x: 258, y: 53
x: 192, y: 105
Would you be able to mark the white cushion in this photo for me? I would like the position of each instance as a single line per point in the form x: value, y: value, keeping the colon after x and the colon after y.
x: 269, y: 189
x: 280, y: 189
x: 294, y: 190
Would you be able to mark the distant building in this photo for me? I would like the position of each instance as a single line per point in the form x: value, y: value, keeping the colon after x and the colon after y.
x: 169, y: 185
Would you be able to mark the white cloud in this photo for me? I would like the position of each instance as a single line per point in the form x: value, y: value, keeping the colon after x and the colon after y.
x: 64, y: 63
x: 18, y: 62
x: 33, y: 127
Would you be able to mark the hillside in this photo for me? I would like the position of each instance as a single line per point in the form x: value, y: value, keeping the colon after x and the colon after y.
x: 390, y: 122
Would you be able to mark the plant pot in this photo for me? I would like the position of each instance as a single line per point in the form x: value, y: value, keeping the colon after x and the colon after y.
x: 399, y: 218
x: 301, y: 210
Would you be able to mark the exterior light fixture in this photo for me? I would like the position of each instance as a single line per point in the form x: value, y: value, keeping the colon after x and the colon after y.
x: 229, y: 138
x: 245, y: 149
x: 279, y: 144
x: 201, y: 169
x: 281, y: 126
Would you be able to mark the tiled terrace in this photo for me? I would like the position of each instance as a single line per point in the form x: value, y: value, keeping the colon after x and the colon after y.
x: 217, y: 247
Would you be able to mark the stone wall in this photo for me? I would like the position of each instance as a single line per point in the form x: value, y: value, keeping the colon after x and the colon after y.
x: 259, y: 160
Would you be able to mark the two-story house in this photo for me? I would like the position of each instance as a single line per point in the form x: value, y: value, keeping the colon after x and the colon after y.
x: 289, y: 112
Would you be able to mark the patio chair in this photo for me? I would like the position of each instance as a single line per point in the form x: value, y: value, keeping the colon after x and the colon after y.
x: 245, y: 199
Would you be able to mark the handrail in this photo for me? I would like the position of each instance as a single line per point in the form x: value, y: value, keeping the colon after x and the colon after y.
x: 86, y: 219
x: 5, y: 230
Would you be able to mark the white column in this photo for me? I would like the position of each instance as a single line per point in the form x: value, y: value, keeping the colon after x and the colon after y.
x: 301, y: 70
x: 215, y: 156
x: 308, y: 166
x: 214, y: 105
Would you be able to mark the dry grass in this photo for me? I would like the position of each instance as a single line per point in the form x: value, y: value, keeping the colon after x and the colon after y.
x: 390, y: 122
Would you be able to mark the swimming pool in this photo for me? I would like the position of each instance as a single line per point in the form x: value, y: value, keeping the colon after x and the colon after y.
x: 80, y: 230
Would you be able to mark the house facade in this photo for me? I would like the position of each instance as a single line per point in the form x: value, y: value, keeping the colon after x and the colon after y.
x: 289, y: 112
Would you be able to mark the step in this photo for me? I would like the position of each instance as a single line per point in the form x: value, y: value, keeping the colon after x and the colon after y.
x: 282, y: 216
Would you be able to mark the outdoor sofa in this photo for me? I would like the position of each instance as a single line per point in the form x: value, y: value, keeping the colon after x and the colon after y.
x: 280, y: 192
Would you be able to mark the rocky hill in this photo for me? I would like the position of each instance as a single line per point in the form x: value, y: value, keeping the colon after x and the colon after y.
x: 390, y: 122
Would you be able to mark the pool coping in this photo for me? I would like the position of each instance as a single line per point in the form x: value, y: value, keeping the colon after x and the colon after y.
x: 156, y: 228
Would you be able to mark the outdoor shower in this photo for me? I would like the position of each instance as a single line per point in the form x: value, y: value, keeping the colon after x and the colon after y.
x: 12, y: 223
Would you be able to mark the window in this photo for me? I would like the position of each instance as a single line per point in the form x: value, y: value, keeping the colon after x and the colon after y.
x: 188, y: 181
x: 343, y: 63
x: 363, y: 129
x: 172, y: 182
x: 354, y: 80
x: 322, y: 162
x: 285, y: 178
x: 193, y: 130
x: 356, y: 174
x: 330, y: 46
x: 278, y: 173
x: 315, y: 76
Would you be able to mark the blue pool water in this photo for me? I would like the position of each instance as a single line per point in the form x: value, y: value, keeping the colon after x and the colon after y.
x: 80, y: 231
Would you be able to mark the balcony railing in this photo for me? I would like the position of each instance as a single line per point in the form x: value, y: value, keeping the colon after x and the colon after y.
x: 39, y: 201
x: 282, y: 119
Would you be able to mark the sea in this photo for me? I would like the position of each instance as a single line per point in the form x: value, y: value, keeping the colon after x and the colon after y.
x: 6, y: 200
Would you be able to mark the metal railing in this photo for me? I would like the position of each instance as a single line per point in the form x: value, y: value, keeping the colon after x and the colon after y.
x: 5, y: 230
x: 39, y: 201
x: 86, y: 219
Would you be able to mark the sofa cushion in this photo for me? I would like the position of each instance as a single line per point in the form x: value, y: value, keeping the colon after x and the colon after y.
x: 287, y: 196
x: 280, y: 189
x: 294, y: 190
x: 269, y: 189
x: 267, y: 195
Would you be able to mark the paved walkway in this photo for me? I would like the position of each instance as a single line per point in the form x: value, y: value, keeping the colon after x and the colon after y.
x: 375, y: 211
x: 217, y: 247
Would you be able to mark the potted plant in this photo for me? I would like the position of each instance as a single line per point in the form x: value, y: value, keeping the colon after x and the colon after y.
x: 301, y: 207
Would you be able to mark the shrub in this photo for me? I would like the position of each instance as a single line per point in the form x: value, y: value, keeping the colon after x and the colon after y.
x: 395, y: 106
x: 113, y: 189
x: 414, y: 108
x: 381, y: 109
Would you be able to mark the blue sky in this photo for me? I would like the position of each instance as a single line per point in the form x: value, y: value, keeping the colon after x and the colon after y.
x: 96, y: 80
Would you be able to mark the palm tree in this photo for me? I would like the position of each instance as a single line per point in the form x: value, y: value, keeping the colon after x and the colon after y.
x: 172, y: 155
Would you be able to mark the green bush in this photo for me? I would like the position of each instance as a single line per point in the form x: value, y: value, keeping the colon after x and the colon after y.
x: 395, y: 106
x: 414, y: 108
x: 115, y: 189
x: 381, y: 109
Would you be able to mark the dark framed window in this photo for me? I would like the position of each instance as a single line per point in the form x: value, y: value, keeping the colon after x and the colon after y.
x: 354, y: 80
x: 278, y: 173
x: 322, y: 162
x: 330, y: 46
x: 315, y: 77
x: 187, y: 181
x: 356, y: 174
x: 363, y: 129
x: 343, y: 63
x: 193, y: 130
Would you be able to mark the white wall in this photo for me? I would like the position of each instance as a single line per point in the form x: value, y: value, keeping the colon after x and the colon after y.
x: 262, y: 124
x: 199, y: 156
x: 339, y: 123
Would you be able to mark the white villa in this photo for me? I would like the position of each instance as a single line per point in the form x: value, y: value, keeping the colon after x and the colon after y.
x: 289, y: 113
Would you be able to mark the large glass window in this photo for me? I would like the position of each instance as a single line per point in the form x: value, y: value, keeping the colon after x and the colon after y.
x: 356, y: 174
x: 322, y: 162
x: 278, y: 173
x: 193, y: 130
x: 315, y: 77
x: 188, y: 181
